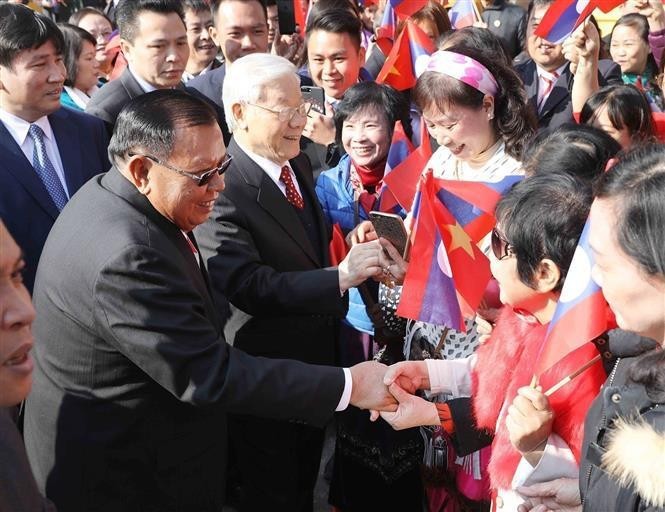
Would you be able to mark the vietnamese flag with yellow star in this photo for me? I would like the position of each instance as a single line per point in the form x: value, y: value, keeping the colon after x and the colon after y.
x: 411, y: 46
x: 448, y: 273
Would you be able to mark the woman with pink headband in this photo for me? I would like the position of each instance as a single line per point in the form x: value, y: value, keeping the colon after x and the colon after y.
x: 475, y: 107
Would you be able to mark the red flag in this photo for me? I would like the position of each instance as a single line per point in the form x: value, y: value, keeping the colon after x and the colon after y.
x: 337, y: 247
x: 400, y: 149
x: 402, y: 180
x: 447, y: 273
x: 300, y: 16
x: 385, y: 33
x: 399, y: 70
x: 564, y: 16
x: 406, y: 8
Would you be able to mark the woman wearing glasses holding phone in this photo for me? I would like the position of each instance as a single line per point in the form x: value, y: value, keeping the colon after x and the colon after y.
x: 539, y: 223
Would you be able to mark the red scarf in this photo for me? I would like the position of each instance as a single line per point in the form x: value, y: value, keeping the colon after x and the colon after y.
x: 367, y: 181
x: 505, y: 362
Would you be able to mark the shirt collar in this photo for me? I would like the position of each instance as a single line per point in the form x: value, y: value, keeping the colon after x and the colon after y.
x: 274, y: 170
x: 542, y: 73
x: 142, y: 83
x: 18, y: 128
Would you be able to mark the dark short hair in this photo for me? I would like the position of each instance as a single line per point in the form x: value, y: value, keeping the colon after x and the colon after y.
x: 196, y: 5
x: 370, y: 95
x: 582, y: 150
x: 74, y: 37
x: 23, y: 29
x: 336, y: 21
x: 327, y: 5
x: 128, y: 11
x: 76, y: 18
x: 214, y: 6
x: 150, y: 122
x: 627, y: 107
x: 514, y: 120
x: 543, y: 217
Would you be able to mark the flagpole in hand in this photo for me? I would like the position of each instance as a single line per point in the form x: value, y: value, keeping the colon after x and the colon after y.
x: 476, y: 12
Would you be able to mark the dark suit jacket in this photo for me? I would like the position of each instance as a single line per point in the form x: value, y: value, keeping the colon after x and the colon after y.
x: 108, y: 101
x: 558, y: 106
x: 18, y: 490
x: 284, y: 301
x: 25, y: 206
x: 133, y: 378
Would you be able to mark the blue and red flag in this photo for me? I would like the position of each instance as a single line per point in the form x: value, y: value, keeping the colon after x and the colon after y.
x: 473, y: 202
x: 462, y: 14
x: 412, y: 46
x: 447, y: 273
x: 400, y: 149
x: 406, y: 8
x: 385, y: 33
x: 402, y: 181
x: 564, y: 16
x: 582, y: 313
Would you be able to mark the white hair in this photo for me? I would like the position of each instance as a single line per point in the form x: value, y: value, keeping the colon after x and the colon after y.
x: 246, y: 78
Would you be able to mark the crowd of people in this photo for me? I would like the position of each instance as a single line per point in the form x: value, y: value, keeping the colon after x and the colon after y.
x: 192, y: 287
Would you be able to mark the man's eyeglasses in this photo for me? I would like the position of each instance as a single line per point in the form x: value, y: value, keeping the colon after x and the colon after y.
x: 286, y: 114
x: 501, y: 247
x: 202, y: 178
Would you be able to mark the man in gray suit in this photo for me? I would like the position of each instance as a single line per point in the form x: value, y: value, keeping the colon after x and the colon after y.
x: 133, y: 378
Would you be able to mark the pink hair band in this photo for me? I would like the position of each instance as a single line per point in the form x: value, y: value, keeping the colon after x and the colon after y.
x: 463, y: 68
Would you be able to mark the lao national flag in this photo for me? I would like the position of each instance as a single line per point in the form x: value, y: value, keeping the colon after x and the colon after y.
x: 406, y: 8
x: 582, y: 313
x: 411, y: 49
x: 385, y: 33
x: 447, y: 273
x: 462, y: 14
x: 402, y: 180
x: 564, y: 16
x: 400, y: 149
x: 473, y: 202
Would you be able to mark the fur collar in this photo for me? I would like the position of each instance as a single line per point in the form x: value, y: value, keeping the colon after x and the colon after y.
x: 635, y: 457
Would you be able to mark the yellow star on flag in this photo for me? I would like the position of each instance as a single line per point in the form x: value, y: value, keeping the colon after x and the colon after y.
x: 394, y: 71
x: 460, y: 239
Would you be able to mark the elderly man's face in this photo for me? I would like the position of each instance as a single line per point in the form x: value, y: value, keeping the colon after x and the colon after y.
x: 241, y: 28
x: 159, y: 51
x: 548, y: 56
x: 179, y: 198
x: 264, y: 132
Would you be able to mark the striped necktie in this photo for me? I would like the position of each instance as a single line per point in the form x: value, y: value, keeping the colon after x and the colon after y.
x: 44, y: 168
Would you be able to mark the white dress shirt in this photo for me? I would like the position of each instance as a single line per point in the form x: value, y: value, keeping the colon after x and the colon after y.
x: 144, y: 85
x: 18, y: 129
x: 546, y: 81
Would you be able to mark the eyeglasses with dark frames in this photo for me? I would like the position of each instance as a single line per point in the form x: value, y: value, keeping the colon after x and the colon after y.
x: 501, y: 248
x: 286, y: 114
x: 201, y: 178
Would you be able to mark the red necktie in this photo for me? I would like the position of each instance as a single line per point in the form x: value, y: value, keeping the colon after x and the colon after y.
x: 292, y: 194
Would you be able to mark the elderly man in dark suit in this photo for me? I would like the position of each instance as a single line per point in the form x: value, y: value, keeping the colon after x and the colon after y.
x: 133, y: 378
x: 548, y: 77
x: 266, y: 248
x: 46, y: 152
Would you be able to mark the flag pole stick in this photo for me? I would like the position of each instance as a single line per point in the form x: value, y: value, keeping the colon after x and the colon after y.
x: 570, y: 377
x: 476, y: 12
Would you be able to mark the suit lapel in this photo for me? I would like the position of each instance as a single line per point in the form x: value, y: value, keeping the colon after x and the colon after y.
x: 531, y: 85
x: 118, y: 184
x: 15, y: 163
x: 559, y: 92
x: 271, y: 199
x: 68, y: 141
x: 130, y: 84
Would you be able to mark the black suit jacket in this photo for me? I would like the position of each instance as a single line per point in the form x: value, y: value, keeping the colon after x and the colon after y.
x: 284, y: 302
x: 133, y: 378
x: 25, y: 205
x: 109, y: 100
x: 558, y: 106
x: 18, y: 491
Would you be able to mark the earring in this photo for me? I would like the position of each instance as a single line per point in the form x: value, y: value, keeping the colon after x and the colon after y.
x: 490, y: 115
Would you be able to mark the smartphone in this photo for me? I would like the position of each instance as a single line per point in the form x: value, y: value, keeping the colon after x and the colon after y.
x: 315, y: 96
x: 391, y: 227
x: 287, y: 17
